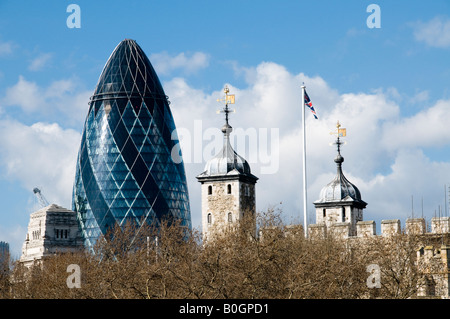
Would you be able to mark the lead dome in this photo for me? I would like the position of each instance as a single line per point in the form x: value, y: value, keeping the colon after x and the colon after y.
x: 227, y: 160
x: 340, y: 188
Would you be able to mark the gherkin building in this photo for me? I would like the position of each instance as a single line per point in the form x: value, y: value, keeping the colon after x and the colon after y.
x: 124, y: 170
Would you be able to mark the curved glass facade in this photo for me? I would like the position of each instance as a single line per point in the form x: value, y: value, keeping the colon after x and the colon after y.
x: 125, y: 171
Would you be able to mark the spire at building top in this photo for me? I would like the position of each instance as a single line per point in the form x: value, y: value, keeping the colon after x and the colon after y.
x: 228, y: 99
x: 340, y: 187
x: 227, y: 161
x: 340, y: 132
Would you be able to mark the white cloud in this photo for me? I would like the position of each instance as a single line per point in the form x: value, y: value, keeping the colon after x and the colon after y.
x: 414, y: 177
x: 40, y: 155
x: 435, y: 33
x: 24, y: 94
x: 6, y: 48
x: 62, y: 100
x: 40, y: 62
x: 165, y: 63
x: 428, y: 128
x: 383, y: 154
x: 420, y: 97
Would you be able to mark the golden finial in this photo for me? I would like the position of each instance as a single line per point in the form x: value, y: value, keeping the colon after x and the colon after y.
x: 228, y: 99
x: 340, y: 132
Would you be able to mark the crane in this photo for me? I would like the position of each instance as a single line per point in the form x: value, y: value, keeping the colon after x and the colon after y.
x: 41, y: 199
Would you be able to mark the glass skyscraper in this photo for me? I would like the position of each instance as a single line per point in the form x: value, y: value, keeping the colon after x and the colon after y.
x: 124, y: 170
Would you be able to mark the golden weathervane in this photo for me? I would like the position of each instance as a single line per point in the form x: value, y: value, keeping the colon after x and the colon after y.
x: 228, y: 99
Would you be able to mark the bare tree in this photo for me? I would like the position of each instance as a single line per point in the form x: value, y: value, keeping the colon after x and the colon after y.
x: 169, y: 261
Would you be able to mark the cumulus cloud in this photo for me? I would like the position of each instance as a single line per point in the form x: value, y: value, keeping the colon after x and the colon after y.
x: 165, y: 63
x: 435, y: 33
x: 6, y: 48
x: 61, y: 99
x: 40, y: 62
x: 40, y: 155
x: 383, y: 154
x: 428, y: 128
x: 24, y: 94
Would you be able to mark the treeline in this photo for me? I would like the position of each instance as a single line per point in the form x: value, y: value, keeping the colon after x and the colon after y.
x: 166, y: 262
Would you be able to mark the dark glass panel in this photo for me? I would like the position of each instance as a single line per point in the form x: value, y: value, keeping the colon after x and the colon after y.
x: 129, y: 152
x: 144, y: 117
x: 120, y: 135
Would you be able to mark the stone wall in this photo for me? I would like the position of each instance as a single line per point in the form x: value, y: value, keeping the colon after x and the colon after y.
x: 339, y: 230
x: 434, y: 264
x: 366, y: 228
x: 415, y: 226
x: 224, y: 205
x: 390, y: 227
x: 317, y: 231
x: 440, y: 225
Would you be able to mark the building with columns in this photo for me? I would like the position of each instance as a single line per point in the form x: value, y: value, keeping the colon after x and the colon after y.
x: 52, y: 229
x: 227, y: 186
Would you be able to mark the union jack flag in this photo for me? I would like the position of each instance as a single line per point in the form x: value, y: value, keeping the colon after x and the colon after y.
x: 309, y: 104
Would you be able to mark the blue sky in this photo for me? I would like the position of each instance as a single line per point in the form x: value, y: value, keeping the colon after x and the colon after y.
x: 388, y: 86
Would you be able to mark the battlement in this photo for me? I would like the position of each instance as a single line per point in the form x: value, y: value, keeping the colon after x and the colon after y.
x: 415, y: 226
x: 366, y: 228
x: 440, y: 225
x: 389, y: 227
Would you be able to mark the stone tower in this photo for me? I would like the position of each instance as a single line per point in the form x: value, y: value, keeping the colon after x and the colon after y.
x: 340, y: 204
x: 227, y: 186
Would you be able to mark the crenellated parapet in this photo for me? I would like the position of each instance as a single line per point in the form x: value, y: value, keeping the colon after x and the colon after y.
x: 389, y: 227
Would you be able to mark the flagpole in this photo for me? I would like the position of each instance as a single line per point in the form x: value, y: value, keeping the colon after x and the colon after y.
x: 305, y: 225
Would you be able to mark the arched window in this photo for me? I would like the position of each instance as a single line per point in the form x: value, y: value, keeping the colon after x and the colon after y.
x: 209, y: 190
x: 229, y: 188
x: 324, y: 211
x: 209, y: 218
x: 230, y: 218
x: 343, y: 214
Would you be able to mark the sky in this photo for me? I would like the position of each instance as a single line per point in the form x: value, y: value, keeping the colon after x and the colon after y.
x: 383, y: 73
